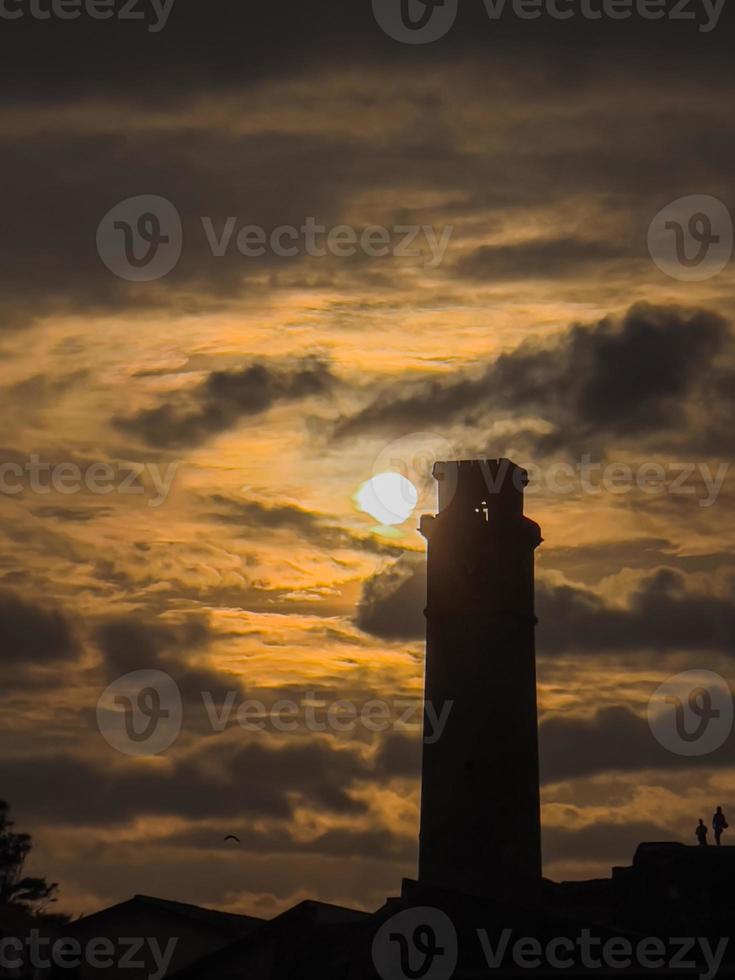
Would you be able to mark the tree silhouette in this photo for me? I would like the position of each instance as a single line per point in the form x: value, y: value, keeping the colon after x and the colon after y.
x: 30, y: 894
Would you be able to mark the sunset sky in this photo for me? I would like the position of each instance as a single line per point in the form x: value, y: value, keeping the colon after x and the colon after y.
x: 269, y: 389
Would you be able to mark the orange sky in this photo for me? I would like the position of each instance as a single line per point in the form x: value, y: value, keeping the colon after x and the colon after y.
x: 247, y: 576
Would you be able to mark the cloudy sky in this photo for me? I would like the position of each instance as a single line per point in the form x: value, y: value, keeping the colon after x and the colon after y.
x: 181, y: 455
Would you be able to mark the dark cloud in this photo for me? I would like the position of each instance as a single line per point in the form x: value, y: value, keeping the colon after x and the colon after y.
x: 257, y: 779
x: 274, y: 178
x: 400, y: 755
x: 267, y: 180
x: 237, y: 44
x: 221, y: 400
x: 129, y: 643
x: 139, y: 642
x: 33, y: 634
x: 338, y: 842
x: 591, y: 563
x: 73, y: 515
x: 43, y: 389
x: 377, y: 843
x: 311, y: 527
x: 546, y: 258
x: 393, y: 600
x: 626, y: 378
x: 664, y: 613
x: 614, y: 739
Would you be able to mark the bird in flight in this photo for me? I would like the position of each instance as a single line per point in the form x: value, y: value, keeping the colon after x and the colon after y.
x: 232, y: 837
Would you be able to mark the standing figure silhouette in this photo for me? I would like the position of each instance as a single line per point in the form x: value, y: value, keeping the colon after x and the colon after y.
x: 701, y: 833
x: 719, y: 823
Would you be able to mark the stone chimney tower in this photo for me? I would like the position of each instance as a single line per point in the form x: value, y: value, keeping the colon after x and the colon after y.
x: 480, y: 823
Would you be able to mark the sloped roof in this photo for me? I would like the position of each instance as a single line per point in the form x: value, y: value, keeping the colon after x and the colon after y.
x: 229, y: 923
x: 306, y: 916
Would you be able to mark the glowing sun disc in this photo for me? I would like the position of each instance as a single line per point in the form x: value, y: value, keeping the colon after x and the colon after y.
x: 388, y: 497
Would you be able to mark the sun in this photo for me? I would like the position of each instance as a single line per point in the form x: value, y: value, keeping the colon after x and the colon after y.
x: 388, y: 497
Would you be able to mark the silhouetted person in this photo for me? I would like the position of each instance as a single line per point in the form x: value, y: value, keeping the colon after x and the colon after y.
x: 719, y: 824
x: 701, y: 833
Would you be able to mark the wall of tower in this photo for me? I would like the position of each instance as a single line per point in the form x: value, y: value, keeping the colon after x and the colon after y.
x: 480, y: 823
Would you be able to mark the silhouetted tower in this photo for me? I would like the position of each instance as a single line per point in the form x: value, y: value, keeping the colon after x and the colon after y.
x: 480, y: 821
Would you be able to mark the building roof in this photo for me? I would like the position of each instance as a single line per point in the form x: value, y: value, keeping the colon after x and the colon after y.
x: 228, y: 923
x: 288, y: 931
